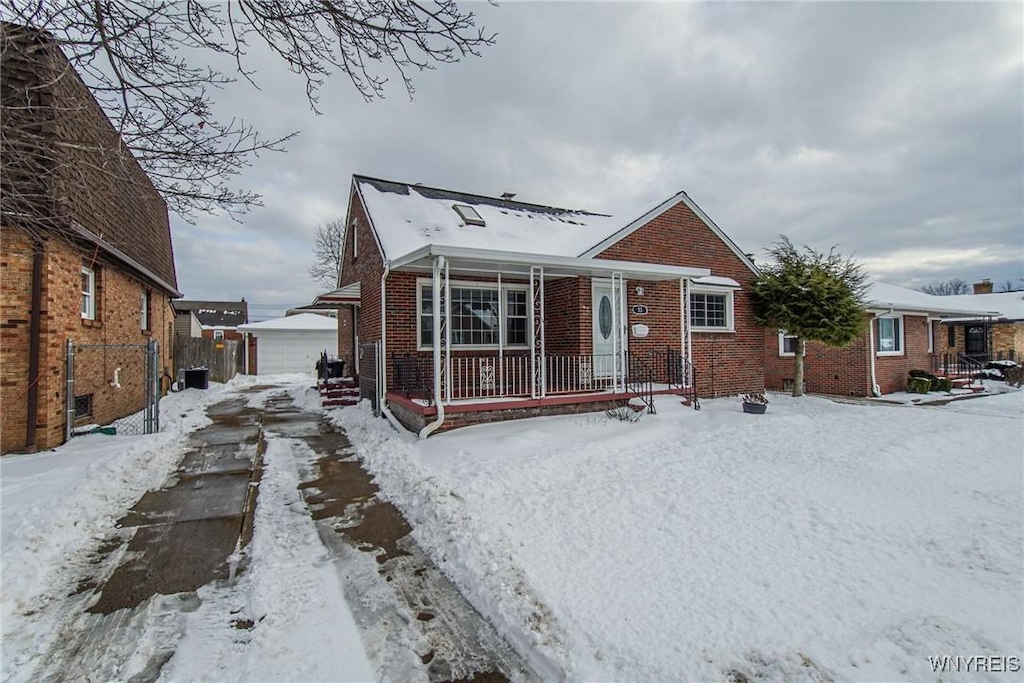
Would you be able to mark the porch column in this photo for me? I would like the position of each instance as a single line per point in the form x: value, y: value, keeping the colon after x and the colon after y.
x: 619, y: 336
x: 442, y: 331
x: 538, y: 369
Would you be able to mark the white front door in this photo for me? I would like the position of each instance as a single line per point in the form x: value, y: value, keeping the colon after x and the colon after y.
x: 604, y: 319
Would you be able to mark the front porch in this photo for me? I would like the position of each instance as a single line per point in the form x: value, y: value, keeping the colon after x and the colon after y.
x: 485, y: 388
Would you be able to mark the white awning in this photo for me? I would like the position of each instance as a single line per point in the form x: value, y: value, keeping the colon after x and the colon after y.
x: 344, y: 296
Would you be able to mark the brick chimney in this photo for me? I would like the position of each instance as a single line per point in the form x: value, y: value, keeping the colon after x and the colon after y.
x: 983, y: 287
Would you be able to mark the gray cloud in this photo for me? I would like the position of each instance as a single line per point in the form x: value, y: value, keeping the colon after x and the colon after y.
x: 892, y: 130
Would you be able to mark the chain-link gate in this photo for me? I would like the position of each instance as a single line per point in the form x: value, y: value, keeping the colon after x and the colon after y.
x: 370, y: 368
x: 112, y: 387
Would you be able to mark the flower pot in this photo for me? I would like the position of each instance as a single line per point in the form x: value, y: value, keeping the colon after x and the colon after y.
x: 754, y: 408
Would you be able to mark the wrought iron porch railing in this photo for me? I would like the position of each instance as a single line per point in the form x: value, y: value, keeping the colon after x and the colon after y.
x: 640, y: 381
x: 958, y: 365
x: 510, y: 376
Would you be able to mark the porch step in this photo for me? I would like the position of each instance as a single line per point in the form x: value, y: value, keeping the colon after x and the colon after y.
x: 337, y: 402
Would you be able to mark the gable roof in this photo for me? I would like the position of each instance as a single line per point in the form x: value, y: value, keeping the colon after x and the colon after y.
x: 408, y: 220
x: 678, y: 198
x: 407, y: 217
x: 116, y: 209
x: 883, y: 296
x: 216, y: 313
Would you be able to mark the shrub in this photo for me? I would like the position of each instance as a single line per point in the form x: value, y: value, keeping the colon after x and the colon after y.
x: 945, y: 384
x: 758, y: 398
x: 924, y: 374
x: 919, y: 385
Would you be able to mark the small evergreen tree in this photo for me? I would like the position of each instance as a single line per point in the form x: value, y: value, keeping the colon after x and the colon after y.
x: 813, y: 296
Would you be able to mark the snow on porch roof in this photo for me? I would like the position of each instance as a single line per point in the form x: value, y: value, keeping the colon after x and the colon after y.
x: 884, y: 296
x: 408, y: 217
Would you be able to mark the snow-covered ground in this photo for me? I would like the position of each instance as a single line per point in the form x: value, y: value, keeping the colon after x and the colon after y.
x: 817, y: 540
x: 820, y: 540
x: 58, y: 506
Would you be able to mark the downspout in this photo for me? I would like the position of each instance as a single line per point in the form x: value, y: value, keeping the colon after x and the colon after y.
x: 32, y: 399
x: 876, y: 391
x: 430, y: 428
x: 382, y: 369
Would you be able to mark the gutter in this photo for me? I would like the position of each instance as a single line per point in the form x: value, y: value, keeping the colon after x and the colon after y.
x: 876, y: 390
x: 382, y: 368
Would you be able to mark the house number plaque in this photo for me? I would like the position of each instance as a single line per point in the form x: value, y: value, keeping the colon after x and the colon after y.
x: 639, y: 310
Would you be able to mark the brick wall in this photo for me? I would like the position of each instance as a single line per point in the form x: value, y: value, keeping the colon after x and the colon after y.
x: 91, y: 181
x: 726, y: 362
x: 847, y: 371
x: 1008, y: 336
x: 118, y: 321
x: 366, y: 268
x: 840, y: 372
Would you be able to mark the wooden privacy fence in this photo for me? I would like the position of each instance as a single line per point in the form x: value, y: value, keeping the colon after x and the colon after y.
x: 222, y: 357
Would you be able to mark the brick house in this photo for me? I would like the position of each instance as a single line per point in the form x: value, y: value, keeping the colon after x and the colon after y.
x: 986, y: 338
x: 551, y: 310
x: 85, y: 251
x: 902, y: 332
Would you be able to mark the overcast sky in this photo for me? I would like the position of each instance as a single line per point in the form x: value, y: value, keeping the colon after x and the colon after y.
x: 895, y: 131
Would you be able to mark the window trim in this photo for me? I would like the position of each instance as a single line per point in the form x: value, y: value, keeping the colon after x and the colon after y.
x: 730, y: 307
x: 89, y: 314
x: 502, y: 303
x: 900, y: 338
x: 144, y: 312
x: 783, y: 336
x: 218, y: 332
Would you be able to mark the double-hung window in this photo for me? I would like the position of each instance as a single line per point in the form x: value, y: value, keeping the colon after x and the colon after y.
x: 787, y: 343
x: 88, y: 293
x: 889, y: 341
x: 144, y: 309
x: 481, y: 315
x: 711, y: 310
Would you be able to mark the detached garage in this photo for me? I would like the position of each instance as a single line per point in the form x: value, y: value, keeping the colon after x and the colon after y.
x: 291, y: 344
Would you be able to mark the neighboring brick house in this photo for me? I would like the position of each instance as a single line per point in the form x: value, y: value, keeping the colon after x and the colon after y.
x: 551, y: 310
x: 902, y: 332
x: 218, y: 319
x: 986, y: 338
x: 85, y: 249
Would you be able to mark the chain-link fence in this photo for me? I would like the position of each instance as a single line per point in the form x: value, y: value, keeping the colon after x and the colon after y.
x: 113, y: 387
x: 369, y: 372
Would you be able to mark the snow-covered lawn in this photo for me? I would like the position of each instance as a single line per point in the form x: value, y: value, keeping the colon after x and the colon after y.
x: 818, y: 540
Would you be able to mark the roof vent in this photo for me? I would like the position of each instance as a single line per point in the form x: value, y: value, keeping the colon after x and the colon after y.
x: 508, y: 195
x: 468, y: 214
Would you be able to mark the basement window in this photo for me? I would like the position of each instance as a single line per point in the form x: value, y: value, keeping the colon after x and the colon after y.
x: 83, y: 406
x: 468, y: 214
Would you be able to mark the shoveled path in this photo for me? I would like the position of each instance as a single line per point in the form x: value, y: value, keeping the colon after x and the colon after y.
x: 411, y: 615
x: 126, y: 619
x: 172, y: 542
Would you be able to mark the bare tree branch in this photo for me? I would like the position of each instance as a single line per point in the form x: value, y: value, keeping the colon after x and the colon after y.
x: 950, y: 287
x: 327, y: 252
x: 143, y: 60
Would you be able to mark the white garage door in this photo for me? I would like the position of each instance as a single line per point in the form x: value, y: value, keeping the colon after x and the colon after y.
x: 280, y: 352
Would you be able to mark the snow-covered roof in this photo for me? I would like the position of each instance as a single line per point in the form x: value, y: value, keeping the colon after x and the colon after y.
x: 716, y: 281
x: 408, y: 217
x: 302, y: 321
x: 1009, y: 304
x: 885, y: 296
